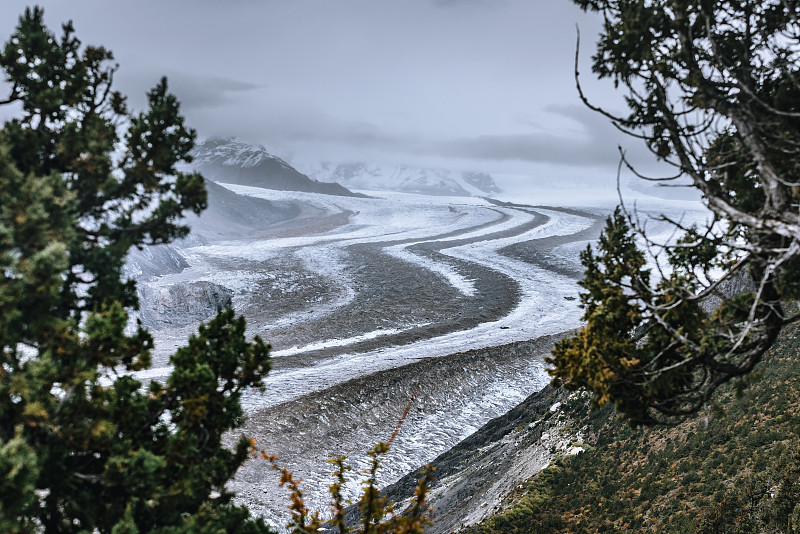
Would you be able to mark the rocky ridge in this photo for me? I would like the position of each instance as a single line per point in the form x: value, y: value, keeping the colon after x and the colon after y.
x: 483, y: 474
x: 231, y: 161
x: 308, y: 431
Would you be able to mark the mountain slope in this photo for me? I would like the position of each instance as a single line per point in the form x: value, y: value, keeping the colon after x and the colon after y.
x: 735, y: 468
x: 228, y: 216
x: 233, y: 215
x: 373, y: 176
x: 230, y: 161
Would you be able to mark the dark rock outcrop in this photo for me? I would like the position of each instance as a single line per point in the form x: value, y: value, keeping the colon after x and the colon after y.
x: 181, y: 304
x: 482, y: 181
x: 229, y: 161
x: 153, y: 261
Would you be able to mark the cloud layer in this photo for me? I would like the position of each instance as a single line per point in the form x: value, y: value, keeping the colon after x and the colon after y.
x: 487, y: 82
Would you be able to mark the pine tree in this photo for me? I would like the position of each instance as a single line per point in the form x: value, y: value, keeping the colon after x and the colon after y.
x: 625, y: 354
x: 83, y: 446
x: 713, y: 90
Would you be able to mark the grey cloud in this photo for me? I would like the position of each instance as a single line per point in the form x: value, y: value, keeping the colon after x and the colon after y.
x: 579, y: 137
x: 535, y: 148
x: 287, y: 125
x: 415, y: 79
x: 328, y: 130
x: 459, y: 3
x: 598, y: 129
x: 194, y: 92
x: 591, y: 122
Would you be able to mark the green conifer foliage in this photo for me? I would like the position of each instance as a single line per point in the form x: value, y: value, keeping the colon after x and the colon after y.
x: 712, y: 89
x: 82, y: 180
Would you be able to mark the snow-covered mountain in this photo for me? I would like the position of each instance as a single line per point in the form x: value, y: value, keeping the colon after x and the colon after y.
x: 373, y: 176
x: 231, y: 161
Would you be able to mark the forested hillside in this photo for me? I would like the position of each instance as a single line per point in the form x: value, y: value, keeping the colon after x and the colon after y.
x: 733, y: 468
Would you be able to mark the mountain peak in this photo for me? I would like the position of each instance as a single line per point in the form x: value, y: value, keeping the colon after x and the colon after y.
x: 231, y: 152
x: 231, y: 161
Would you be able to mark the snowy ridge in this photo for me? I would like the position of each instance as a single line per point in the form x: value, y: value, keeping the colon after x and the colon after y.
x: 231, y: 161
x: 234, y: 153
x: 377, y: 177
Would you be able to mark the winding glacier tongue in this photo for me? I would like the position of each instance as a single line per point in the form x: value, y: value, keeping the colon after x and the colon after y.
x: 312, y: 284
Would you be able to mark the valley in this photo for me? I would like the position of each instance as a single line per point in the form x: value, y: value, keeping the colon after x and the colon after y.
x: 367, y: 299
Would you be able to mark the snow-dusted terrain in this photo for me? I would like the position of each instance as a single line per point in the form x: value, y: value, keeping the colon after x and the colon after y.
x: 382, y: 177
x: 366, y: 300
x: 229, y: 160
x: 468, y: 231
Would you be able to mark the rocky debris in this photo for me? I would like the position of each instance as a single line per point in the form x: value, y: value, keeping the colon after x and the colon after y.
x: 181, y: 304
x: 548, y: 253
x: 456, y: 394
x: 405, y: 294
x: 478, y: 477
x: 154, y: 261
x: 740, y: 282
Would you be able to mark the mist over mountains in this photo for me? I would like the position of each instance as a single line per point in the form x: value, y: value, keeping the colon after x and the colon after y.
x: 403, y: 178
x: 231, y: 161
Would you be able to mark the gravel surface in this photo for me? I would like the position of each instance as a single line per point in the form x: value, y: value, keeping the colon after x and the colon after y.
x: 365, y: 300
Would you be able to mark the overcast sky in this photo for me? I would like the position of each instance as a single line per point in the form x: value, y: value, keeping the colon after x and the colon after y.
x: 473, y: 84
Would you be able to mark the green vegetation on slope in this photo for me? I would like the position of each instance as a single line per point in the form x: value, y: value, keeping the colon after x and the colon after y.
x: 712, y: 90
x: 734, y: 468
